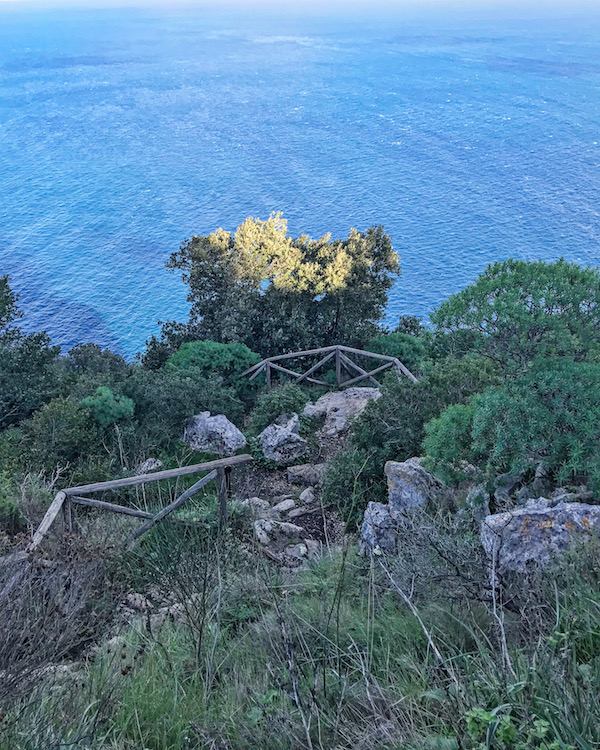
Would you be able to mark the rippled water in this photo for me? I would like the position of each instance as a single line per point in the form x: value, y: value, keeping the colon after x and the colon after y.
x: 122, y: 132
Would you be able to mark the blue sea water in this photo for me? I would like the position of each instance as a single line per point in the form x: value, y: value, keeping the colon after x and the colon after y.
x: 471, y: 138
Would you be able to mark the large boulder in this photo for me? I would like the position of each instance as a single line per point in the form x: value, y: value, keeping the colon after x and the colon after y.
x: 534, y: 533
x: 410, y: 488
x: 311, y: 475
x: 340, y: 407
x: 281, y: 442
x: 216, y: 434
x: 409, y: 485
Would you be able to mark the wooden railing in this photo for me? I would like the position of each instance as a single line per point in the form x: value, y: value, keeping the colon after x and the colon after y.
x: 347, y: 372
x: 219, y: 470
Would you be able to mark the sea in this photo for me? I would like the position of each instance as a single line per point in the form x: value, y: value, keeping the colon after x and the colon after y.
x: 471, y: 135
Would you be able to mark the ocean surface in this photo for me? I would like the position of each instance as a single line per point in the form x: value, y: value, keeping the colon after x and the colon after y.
x: 471, y: 138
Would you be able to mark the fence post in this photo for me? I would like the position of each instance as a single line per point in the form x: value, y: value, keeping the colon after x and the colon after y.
x: 338, y: 368
x: 268, y: 375
x: 67, y: 510
x: 222, y: 494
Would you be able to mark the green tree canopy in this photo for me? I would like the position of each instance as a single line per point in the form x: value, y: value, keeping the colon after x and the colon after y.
x: 261, y: 287
x: 517, y: 311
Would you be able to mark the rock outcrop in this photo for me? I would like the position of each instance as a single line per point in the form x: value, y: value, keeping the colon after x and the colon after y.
x: 216, y: 434
x: 410, y: 488
x: 409, y: 485
x: 148, y: 466
x: 531, y: 535
x: 340, y: 407
x: 281, y: 442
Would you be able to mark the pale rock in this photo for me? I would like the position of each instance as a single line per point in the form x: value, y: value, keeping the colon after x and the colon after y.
x: 297, y: 551
x: 532, y: 534
x: 341, y: 407
x: 280, y: 442
x: 409, y: 485
x: 307, y: 496
x: 284, y: 506
x: 149, y: 465
x: 216, y: 434
x: 308, y: 474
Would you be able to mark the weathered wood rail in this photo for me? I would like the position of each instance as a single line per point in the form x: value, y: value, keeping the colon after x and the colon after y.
x: 343, y: 362
x: 219, y: 471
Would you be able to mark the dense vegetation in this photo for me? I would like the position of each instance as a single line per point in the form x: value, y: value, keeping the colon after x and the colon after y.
x: 228, y: 651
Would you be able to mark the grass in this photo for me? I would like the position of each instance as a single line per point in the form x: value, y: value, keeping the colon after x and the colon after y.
x: 328, y: 658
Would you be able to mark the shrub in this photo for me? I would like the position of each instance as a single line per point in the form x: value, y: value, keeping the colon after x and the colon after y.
x: 448, y: 442
x: 548, y: 416
x: 58, y: 435
x: 208, y: 358
x: 410, y: 350
x: 106, y: 408
x: 286, y: 399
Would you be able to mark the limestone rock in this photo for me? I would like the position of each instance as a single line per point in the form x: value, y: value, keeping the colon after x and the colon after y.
x: 281, y: 442
x: 284, y: 506
x: 149, y: 465
x: 257, y: 507
x: 340, y: 407
x: 298, y: 551
x: 378, y: 535
x: 277, y: 534
x: 532, y: 534
x: 308, y: 474
x: 213, y: 435
x: 409, y: 485
x: 307, y: 496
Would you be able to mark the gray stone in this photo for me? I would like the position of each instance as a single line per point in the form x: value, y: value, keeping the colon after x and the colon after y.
x: 284, y: 506
x: 277, y: 534
x: 505, y: 485
x: 297, y: 551
x: 281, y: 443
x: 257, y: 507
x: 340, y: 407
x: 307, y: 496
x: 409, y: 485
x: 378, y: 533
x: 309, y: 474
x: 532, y: 534
x: 150, y: 464
x: 313, y: 547
x: 216, y: 434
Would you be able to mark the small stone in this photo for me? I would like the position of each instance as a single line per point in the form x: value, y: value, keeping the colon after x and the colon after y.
x: 262, y: 530
x: 280, y: 441
x: 297, y: 512
x: 138, y: 602
x: 313, y: 547
x: 409, y: 485
x: 307, y: 496
x: 297, y: 551
x: 257, y: 506
x: 150, y: 464
x: 307, y: 474
x: 284, y: 506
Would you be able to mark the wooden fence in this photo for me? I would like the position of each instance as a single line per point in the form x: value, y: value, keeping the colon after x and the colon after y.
x: 347, y: 372
x: 219, y: 470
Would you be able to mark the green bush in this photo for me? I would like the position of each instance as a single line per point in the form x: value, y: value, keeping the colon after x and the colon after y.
x: 207, y: 358
x: 448, y: 442
x: 286, y: 399
x: 59, y: 435
x: 106, y: 408
x: 410, y: 350
x: 548, y: 416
